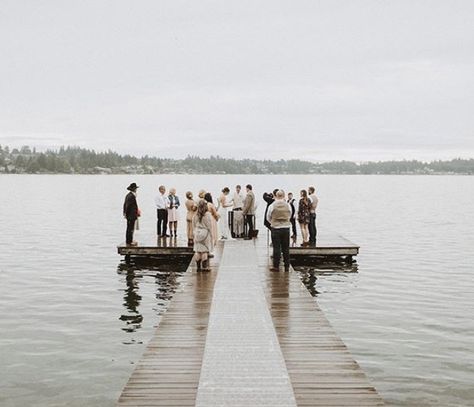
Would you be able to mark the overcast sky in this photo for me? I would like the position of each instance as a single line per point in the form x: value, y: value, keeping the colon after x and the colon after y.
x: 317, y: 80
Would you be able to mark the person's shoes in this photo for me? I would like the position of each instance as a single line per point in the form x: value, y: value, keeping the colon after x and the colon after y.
x: 198, y: 264
x: 210, y: 255
x: 205, y: 265
x: 134, y: 243
x: 274, y: 269
x: 247, y: 238
x: 304, y: 244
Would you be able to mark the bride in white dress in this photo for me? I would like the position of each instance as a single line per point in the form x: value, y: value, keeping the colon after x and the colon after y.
x: 223, y: 204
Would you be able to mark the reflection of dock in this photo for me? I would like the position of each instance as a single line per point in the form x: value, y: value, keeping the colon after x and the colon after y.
x: 241, y: 335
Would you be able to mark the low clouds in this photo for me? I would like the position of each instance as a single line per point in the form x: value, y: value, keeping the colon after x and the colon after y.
x: 274, y: 79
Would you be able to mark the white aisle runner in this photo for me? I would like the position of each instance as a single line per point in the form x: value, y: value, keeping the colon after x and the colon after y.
x: 243, y: 364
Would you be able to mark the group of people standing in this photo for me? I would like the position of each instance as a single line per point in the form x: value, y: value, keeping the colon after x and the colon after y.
x: 206, y: 222
x: 281, y: 214
x: 166, y: 212
x: 304, y: 213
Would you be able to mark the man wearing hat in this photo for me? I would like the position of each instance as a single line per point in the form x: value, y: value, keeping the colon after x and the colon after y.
x: 131, y: 213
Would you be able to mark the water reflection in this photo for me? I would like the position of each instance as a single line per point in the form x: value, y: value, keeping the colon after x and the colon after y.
x: 131, y: 302
x: 139, y: 271
x: 312, y: 269
x: 172, y: 241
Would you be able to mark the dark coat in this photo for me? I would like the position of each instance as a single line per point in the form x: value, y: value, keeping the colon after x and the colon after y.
x: 291, y: 202
x: 130, y: 207
x: 173, y: 201
x: 268, y: 198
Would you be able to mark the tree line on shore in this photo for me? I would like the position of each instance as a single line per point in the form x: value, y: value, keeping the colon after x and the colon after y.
x: 77, y: 160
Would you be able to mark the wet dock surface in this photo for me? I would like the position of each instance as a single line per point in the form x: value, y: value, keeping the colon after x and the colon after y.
x: 242, y: 335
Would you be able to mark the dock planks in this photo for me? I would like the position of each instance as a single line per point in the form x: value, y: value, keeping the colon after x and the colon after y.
x: 168, y: 372
x: 195, y: 359
x: 321, y: 368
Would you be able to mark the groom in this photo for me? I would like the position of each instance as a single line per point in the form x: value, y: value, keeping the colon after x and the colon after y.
x: 131, y: 213
x: 249, y: 211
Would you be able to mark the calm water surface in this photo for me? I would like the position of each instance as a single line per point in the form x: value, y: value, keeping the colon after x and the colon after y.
x: 75, y: 319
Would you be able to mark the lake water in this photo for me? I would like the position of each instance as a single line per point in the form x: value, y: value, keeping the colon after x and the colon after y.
x: 74, y: 321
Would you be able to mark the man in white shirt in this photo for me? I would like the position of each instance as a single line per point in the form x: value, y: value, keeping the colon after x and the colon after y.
x: 162, y: 204
x: 237, y: 215
x: 278, y: 215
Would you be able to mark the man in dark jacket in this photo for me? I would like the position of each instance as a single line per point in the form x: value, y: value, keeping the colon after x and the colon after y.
x: 130, y: 212
x: 269, y: 198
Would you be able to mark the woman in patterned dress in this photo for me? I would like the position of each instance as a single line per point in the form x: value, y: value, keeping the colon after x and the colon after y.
x: 304, y: 207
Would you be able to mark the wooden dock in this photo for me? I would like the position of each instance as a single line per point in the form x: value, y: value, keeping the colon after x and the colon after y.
x: 328, y: 245
x: 241, y: 335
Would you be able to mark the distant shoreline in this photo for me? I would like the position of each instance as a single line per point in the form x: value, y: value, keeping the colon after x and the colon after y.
x: 76, y: 160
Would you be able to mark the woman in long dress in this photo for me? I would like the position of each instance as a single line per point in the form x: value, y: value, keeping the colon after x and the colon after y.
x: 223, y: 204
x: 202, y: 227
x: 215, y: 217
x: 191, y: 208
x: 304, y: 207
x: 173, y: 212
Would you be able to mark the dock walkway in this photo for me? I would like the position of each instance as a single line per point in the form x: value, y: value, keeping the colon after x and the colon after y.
x: 243, y: 363
x: 244, y: 336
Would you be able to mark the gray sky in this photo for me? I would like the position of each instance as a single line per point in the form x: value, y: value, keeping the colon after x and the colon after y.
x: 317, y: 80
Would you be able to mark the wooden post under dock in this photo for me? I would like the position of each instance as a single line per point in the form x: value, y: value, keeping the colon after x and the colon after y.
x: 241, y: 335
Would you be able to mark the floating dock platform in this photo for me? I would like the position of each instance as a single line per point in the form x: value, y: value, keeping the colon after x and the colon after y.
x: 242, y: 335
x: 328, y: 245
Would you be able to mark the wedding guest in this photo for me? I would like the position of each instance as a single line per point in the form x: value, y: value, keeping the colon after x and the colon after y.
x: 269, y: 198
x: 312, y: 220
x: 173, y: 212
x: 202, y: 227
x: 162, y: 204
x: 214, y: 217
x: 223, y: 204
x: 291, y: 202
x: 201, y: 193
x: 304, y: 207
x: 191, y: 208
x: 249, y: 211
x: 131, y: 213
x: 237, y: 215
x: 278, y: 215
